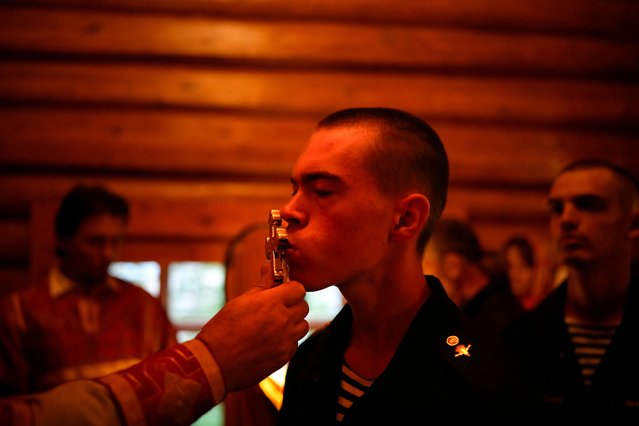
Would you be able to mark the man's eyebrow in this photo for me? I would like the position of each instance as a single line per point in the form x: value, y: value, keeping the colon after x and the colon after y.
x: 584, y: 196
x: 315, y: 176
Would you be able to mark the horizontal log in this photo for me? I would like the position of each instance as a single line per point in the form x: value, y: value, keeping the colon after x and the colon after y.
x: 152, y: 141
x: 504, y: 205
x: 316, y: 93
x: 586, y: 16
x: 19, y: 190
x: 206, y: 221
x: 140, y: 250
x: 312, y: 43
x: 264, y: 148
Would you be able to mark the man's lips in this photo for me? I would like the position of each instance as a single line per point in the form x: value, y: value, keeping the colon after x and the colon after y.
x: 571, y: 241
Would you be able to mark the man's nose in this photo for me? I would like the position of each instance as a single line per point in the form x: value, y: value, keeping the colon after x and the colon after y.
x: 569, y: 217
x: 292, y: 212
x: 109, y: 248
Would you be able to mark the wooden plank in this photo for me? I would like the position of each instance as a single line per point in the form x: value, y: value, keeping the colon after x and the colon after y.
x: 152, y: 141
x: 316, y: 93
x: 263, y: 147
x: 514, y: 204
x: 586, y: 16
x: 218, y: 218
x: 20, y: 189
x: 208, y: 221
x: 312, y: 43
x: 139, y: 250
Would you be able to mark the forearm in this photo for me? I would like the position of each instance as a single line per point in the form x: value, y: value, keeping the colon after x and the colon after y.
x: 173, y: 387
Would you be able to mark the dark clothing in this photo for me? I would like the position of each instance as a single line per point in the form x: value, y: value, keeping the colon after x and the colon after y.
x: 541, y: 337
x: 494, y: 307
x: 424, y: 382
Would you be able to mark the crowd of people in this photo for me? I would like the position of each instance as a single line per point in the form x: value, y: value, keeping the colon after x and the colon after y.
x: 427, y: 332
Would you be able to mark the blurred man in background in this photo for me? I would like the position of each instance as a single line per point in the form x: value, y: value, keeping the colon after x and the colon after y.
x: 456, y: 256
x: 581, y: 342
x: 80, y: 322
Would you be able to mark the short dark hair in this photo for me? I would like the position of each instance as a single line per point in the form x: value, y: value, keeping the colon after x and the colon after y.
x: 630, y: 190
x: 454, y: 235
x: 408, y: 154
x: 83, y: 202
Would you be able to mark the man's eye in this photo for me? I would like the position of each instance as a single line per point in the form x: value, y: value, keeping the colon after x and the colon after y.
x: 323, y: 192
x: 555, y: 208
x: 592, y: 204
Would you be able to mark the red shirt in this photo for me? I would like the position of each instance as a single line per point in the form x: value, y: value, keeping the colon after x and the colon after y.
x: 55, y: 332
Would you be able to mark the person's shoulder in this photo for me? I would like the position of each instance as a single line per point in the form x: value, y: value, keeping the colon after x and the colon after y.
x: 27, y: 292
x: 539, y: 320
x: 133, y: 290
x: 312, y: 340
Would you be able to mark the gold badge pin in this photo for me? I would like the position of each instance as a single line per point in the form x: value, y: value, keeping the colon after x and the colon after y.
x: 452, y: 340
x: 459, y: 349
x: 462, y: 350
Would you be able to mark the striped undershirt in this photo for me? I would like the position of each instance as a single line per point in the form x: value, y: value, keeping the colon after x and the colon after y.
x: 590, y: 343
x: 352, y: 386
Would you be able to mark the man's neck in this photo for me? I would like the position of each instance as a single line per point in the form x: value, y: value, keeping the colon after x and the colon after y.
x: 597, y: 296
x: 380, y: 322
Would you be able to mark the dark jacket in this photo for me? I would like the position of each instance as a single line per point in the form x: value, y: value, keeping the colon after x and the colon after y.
x: 542, y: 340
x: 494, y: 307
x: 424, y: 381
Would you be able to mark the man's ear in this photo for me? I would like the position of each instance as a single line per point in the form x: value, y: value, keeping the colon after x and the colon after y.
x: 412, y: 214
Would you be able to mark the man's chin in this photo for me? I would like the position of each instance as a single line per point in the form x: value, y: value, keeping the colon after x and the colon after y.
x: 311, y: 282
x: 574, y: 260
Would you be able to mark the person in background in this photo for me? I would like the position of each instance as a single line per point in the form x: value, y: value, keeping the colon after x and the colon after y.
x: 368, y: 189
x: 253, y: 335
x: 581, y: 342
x: 520, y: 264
x: 79, y: 322
x: 456, y: 256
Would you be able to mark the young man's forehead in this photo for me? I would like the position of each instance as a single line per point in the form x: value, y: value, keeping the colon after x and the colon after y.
x: 587, y: 179
x: 587, y: 182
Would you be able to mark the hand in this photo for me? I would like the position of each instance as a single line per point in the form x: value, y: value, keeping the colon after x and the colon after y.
x: 257, y: 332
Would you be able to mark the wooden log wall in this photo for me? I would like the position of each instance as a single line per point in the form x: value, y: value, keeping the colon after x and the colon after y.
x: 196, y: 110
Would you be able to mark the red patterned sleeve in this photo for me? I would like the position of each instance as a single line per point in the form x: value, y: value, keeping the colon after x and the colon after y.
x: 173, y: 387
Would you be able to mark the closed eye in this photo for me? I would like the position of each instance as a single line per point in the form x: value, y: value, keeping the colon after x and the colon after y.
x: 323, y: 192
x: 555, y: 207
x: 590, y: 203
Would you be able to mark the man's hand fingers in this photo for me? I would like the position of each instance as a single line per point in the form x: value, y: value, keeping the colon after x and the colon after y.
x: 293, y: 292
x: 265, y: 279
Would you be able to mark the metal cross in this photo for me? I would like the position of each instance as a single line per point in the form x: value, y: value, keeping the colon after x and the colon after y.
x: 276, y: 245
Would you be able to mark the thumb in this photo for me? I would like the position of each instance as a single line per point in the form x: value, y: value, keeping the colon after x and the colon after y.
x: 265, y: 280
